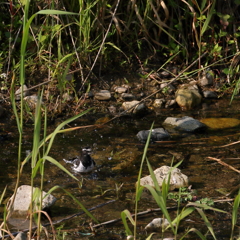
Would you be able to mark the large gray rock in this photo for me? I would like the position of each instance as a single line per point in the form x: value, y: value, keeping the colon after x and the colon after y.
x: 177, y: 179
x: 157, y: 134
x: 103, y: 95
x: 22, y: 200
x: 186, y: 124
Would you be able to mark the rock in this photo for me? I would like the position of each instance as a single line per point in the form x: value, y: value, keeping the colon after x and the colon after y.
x: 158, y: 134
x: 120, y: 89
x: 170, y: 103
x: 158, y: 103
x: 210, y: 94
x: 134, y: 107
x: 221, y: 123
x: 156, y: 224
x: 67, y: 97
x: 177, y: 179
x: 32, y: 101
x: 21, y: 236
x: 206, y: 79
x: 127, y: 96
x: 188, y: 98
x: 103, y: 95
x: 18, y: 92
x: 23, y: 199
x: 186, y: 124
x: 112, y: 109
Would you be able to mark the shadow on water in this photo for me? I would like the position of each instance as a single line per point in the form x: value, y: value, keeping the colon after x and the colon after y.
x: 117, y: 153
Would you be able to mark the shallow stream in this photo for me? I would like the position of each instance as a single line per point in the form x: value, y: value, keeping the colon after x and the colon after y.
x: 117, y: 153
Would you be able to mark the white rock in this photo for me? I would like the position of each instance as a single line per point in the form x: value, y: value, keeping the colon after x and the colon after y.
x: 23, y: 199
x: 158, y: 103
x: 32, y: 100
x: 177, y: 179
x: 134, y: 106
x: 18, y: 92
x: 103, y: 95
x: 157, y: 223
x: 120, y: 89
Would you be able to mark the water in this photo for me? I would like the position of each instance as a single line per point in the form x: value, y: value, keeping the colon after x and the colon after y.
x: 117, y: 153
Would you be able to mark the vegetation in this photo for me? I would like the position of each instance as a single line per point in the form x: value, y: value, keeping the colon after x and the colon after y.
x: 82, y: 37
x: 136, y: 32
x: 160, y: 197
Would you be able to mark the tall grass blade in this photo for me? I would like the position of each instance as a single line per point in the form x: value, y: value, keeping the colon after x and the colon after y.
x: 184, y: 213
x: 79, y: 203
x: 236, y: 206
x: 124, y: 215
x: 196, y: 231
x: 139, y: 176
x: 207, y: 223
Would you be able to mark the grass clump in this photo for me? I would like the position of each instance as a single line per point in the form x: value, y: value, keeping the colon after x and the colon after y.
x: 183, y: 209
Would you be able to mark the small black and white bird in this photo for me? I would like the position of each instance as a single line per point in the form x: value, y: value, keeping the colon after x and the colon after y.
x: 84, y: 163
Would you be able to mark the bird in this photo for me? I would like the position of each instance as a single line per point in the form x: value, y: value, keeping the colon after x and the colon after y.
x: 84, y: 163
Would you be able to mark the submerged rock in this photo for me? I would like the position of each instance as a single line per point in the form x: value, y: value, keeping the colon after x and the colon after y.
x: 177, y: 179
x: 186, y: 124
x: 157, y: 134
x: 22, y: 200
x: 221, y: 123
x: 103, y: 95
x: 188, y: 98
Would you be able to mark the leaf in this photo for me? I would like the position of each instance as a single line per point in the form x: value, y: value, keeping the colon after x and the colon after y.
x: 126, y: 214
x: 60, y: 166
x: 79, y: 203
x: 207, y: 223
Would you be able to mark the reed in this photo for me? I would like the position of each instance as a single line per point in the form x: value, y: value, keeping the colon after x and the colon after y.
x: 41, y: 147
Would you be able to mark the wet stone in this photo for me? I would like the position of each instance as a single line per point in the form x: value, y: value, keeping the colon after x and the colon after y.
x: 186, y: 124
x: 157, y: 134
x: 210, y: 94
x: 23, y: 199
x: 103, y: 95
